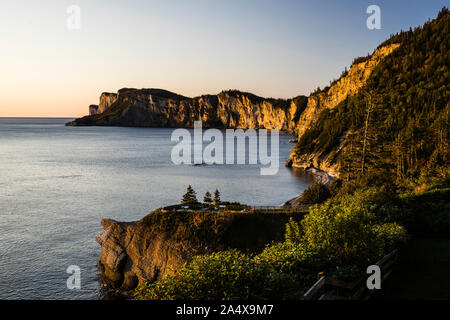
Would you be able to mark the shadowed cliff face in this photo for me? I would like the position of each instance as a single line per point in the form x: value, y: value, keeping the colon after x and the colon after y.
x: 131, y: 254
x: 160, y: 108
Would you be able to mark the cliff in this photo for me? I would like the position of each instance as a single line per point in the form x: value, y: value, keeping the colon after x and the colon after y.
x: 106, y: 101
x: 161, y: 108
x: 348, y: 85
x: 387, y: 116
x: 146, y: 250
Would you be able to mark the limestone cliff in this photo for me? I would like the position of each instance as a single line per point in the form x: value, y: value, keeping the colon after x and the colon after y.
x: 344, y: 87
x: 106, y: 101
x: 161, y: 108
x: 347, y: 85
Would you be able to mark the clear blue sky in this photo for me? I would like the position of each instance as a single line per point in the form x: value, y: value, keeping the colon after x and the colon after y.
x: 271, y: 48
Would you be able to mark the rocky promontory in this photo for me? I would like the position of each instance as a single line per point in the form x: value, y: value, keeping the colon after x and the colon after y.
x: 136, y: 252
x: 161, y: 108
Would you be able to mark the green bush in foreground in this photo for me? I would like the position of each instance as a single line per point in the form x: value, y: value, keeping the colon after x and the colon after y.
x: 222, y: 275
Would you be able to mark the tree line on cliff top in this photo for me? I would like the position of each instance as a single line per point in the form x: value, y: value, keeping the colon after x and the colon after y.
x: 398, y: 124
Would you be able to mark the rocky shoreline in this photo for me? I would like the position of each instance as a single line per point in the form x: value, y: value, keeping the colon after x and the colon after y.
x: 320, y: 176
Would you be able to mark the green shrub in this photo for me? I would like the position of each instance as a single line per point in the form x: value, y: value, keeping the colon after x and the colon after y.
x: 315, y: 193
x: 223, y: 275
x: 343, y: 232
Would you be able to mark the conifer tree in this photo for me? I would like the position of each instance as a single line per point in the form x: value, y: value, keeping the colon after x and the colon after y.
x: 216, y: 200
x: 190, y: 196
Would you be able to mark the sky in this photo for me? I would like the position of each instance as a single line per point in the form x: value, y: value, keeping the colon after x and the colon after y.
x: 277, y: 49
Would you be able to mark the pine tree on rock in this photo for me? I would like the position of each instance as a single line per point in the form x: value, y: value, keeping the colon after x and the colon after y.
x: 190, y: 196
x: 216, y: 200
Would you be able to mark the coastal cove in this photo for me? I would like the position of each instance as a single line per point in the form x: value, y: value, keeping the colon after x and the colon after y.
x: 58, y: 182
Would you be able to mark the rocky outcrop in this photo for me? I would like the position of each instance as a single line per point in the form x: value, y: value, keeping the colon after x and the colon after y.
x: 106, y: 101
x: 93, y: 109
x: 161, y: 108
x: 131, y: 254
x: 142, y: 251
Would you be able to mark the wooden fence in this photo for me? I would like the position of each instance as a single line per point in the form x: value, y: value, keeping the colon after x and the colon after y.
x: 300, y: 208
x: 327, y: 288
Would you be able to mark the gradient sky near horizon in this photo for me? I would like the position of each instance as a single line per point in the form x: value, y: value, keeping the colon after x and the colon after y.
x: 270, y: 48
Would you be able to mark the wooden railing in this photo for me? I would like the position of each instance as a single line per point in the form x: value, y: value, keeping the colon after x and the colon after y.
x: 327, y: 288
x: 300, y: 208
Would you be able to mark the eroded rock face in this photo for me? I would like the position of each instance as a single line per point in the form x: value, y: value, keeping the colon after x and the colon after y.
x: 106, y: 100
x: 160, y: 108
x: 133, y: 253
x: 344, y: 87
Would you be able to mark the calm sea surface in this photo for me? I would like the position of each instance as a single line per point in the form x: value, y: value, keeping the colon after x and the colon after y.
x: 57, y: 182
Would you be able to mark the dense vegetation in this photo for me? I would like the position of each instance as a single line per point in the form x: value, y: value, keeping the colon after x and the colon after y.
x: 399, y: 122
x: 340, y: 237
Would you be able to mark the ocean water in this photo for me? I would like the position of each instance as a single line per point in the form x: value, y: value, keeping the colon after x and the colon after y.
x: 57, y: 183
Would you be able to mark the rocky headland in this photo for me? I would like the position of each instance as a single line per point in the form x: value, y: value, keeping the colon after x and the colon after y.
x: 136, y: 252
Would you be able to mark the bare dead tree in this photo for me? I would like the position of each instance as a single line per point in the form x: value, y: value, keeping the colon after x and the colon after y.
x: 370, y: 106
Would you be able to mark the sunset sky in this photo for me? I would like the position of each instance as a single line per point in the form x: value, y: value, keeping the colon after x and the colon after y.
x: 270, y: 48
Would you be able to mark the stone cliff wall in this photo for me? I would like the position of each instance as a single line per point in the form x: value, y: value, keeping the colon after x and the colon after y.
x: 344, y: 87
x: 228, y: 109
x: 106, y: 100
x: 160, y: 108
x: 130, y: 254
